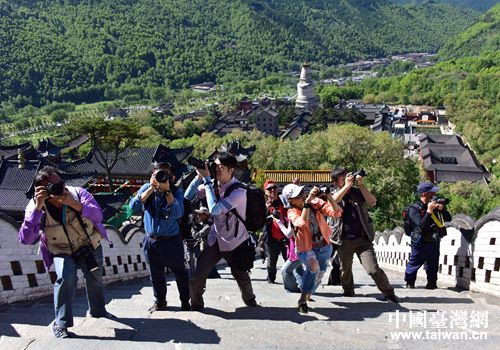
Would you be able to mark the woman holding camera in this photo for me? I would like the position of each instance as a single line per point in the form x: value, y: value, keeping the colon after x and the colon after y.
x: 312, y: 237
x: 72, y: 230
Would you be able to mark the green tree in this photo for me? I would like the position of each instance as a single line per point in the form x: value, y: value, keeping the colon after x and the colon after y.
x: 108, y: 138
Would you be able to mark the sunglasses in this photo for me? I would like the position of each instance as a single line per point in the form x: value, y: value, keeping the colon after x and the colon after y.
x: 272, y: 188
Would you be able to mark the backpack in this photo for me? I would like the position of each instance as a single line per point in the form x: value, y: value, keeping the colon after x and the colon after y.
x: 256, y: 211
x: 407, y: 224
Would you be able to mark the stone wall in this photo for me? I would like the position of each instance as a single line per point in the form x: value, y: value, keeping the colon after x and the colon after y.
x: 24, y: 277
x: 470, y: 253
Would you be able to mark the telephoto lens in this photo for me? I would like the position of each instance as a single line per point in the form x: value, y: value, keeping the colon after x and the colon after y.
x: 161, y: 176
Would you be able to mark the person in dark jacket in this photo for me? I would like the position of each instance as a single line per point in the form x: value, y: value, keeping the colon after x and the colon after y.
x: 356, y: 233
x: 427, y: 216
x: 274, y: 239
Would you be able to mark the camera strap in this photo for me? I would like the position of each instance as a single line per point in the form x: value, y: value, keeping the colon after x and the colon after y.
x: 439, y: 221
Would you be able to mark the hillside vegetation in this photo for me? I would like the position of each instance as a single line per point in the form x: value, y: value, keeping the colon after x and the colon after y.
x: 88, y: 50
x: 482, y: 37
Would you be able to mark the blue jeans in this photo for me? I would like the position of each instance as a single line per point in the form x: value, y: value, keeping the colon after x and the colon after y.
x: 65, y: 287
x: 311, y: 280
x: 292, y: 272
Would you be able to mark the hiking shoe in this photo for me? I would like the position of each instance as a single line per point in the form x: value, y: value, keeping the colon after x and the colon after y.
x: 392, y: 298
x: 60, y: 332
x: 158, y: 306
x: 410, y: 285
x: 186, y: 306
x: 431, y: 286
x: 251, y: 303
x: 303, y: 308
x: 349, y: 293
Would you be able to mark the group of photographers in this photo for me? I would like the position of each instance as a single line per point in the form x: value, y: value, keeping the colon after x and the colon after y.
x: 67, y: 221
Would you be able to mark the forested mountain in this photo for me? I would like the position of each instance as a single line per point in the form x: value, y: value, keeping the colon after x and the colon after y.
x: 478, y: 5
x: 89, y: 50
x: 482, y: 37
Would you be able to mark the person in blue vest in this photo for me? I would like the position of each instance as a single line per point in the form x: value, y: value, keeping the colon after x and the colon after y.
x: 162, y: 204
x: 427, y: 216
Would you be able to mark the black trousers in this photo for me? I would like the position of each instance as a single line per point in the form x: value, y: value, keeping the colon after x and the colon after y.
x: 273, y: 250
x: 168, y: 253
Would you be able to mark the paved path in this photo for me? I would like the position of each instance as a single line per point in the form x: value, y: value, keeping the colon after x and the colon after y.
x: 335, y: 322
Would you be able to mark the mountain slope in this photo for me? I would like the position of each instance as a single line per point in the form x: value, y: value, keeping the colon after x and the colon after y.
x: 477, y: 5
x: 88, y: 50
x: 482, y: 37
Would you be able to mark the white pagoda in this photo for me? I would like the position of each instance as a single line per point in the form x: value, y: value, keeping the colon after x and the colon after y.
x: 306, y: 99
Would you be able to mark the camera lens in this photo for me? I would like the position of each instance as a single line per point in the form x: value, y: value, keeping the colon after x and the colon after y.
x: 56, y: 189
x: 161, y: 176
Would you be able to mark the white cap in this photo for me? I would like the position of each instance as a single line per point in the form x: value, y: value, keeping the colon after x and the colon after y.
x: 291, y: 191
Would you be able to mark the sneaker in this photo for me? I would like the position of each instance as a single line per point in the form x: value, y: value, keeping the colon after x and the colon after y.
x: 349, y: 293
x: 431, y: 286
x: 410, y: 285
x: 392, y: 298
x: 186, y: 306
x: 251, y: 303
x: 60, y: 332
x: 158, y: 306
x: 303, y: 308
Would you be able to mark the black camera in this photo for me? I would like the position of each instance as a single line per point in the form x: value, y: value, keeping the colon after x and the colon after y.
x: 162, y: 176
x: 360, y: 172
x: 86, y: 254
x: 438, y: 200
x: 323, y: 191
x: 56, y: 189
x: 196, y: 162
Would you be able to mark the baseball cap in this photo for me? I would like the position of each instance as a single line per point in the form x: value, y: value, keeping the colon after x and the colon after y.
x: 426, y: 187
x: 291, y: 191
x: 269, y: 183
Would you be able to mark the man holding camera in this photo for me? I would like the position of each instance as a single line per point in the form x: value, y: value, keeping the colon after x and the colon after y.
x: 274, y: 238
x: 71, y: 227
x: 355, y: 232
x: 427, y: 217
x: 227, y: 233
x: 162, y: 204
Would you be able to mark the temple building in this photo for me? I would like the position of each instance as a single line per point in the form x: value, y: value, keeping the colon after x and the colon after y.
x: 306, y: 98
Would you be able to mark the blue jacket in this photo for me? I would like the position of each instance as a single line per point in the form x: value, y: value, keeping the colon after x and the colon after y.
x: 160, y: 218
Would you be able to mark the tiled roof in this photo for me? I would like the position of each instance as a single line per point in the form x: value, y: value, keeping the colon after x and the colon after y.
x: 450, y: 160
x: 7, y: 152
x: 16, y: 184
x: 132, y: 162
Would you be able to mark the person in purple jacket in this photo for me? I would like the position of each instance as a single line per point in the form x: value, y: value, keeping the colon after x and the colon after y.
x: 67, y: 221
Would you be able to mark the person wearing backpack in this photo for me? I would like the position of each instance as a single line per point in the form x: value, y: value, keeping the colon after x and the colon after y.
x: 228, y: 237
x: 355, y: 233
x: 273, y: 236
x: 162, y: 204
x: 306, y: 214
x: 427, y: 217
x: 67, y: 221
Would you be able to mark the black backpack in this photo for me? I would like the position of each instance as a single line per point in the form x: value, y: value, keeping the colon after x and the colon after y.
x: 407, y: 224
x: 256, y: 211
